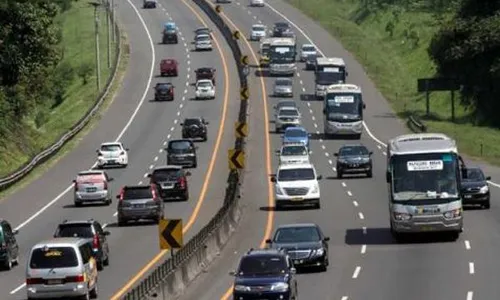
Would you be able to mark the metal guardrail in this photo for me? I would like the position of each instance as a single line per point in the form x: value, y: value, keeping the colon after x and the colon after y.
x: 44, y: 155
x: 157, y: 277
x: 415, y: 124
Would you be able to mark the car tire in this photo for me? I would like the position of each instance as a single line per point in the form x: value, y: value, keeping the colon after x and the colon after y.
x: 205, y: 138
x: 108, y: 202
x: 185, y: 197
x: 78, y: 204
x: 323, y: 268
x: 93, y: 293
x: 487, y: 204
x: 369, y: 174
x: 454, y: 235
x: 194, y: 165
x: 7, y: 266
x: 121, y: 222
x: 278, y: 206
x: 106, y: 261
x: 339, y: 174
x: 317, y: 205
x: 100, y: 265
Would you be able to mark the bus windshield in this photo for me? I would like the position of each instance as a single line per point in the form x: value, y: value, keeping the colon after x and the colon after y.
x: 424, y: 176
x: 343, y: 107
x: 282, y: 54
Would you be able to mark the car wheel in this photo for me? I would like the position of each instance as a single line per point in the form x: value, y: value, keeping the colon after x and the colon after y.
x: 322, y: 268
x: 339, y: 174
x: 195, y: 165
x: 8, y: 263
x: 93, y: 292
x: 186, y: 196
x: 369, y: 174
x: 317, y: 205
x: 205, y: 138
x: 100, y: 265
x: 106, y: 261
x: 487, y: 205
x: 78, y: 204
x: 454, y: 235
x: 121, y: 222
x: 109, y: 201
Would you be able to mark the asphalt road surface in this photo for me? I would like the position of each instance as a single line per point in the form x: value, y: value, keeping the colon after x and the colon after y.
x: 364, y: 261
x: 144, y: 126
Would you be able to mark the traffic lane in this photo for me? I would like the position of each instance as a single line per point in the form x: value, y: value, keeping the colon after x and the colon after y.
x: 137, y: 175
x: 26, y: 201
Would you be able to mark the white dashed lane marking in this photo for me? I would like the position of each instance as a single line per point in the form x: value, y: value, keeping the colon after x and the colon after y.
x: 151, y: 166
x: 470, y: 295
x: 156, y: 158
x: 168, y: 137
x: 363, y: 249
x: 172, y: 128
x: 356, y: 272
x: 355, y: 203
x: 343, y: 184
x: 467, y: 244
x: 471, y: 268
x: 349, y: 193
x: 361, y: 216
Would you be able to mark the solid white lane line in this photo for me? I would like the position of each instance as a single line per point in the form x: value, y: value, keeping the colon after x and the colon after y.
x: 467, y: 244
x: 356, y: 272
x: 364, y: 230
x: 471, y: 268
x: 363, y: 249
x: 355, y: 203
x: 470, y: 295
x: 349, y: 193
x: 17, y: 289
x: 343, y: 184
x: 360, y: 214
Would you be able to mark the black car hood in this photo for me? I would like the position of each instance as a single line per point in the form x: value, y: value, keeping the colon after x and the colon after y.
x: 260, y: 279
x: 298, y: 246
x: 355, y: 159
x: 472, y: 184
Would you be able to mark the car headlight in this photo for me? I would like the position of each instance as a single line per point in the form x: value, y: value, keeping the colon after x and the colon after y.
x: 315, y: 189
x: 484, y: 189
x: 278, y: 190
x: 401, y: 216
x: 279, y: 287
x: 319, y: 252
x: 241, y: 288
x: 452, y: 214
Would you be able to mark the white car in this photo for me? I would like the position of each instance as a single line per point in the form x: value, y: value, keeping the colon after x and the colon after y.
x: 287, y: 117
x: 293, y: 153
x: 203, y: 42
x: 296, y: 184
x: 112, y: 154
x: 257, y: 3
x: 306, y: 50
x: 258, y: 32
x: 205, y: 89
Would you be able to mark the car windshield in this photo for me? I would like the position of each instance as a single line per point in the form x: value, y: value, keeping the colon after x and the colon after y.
x: 424, y: 176
x: 110, y: 148
x: 180, y: 147
x: 295, y: 133
x: 75, y: 230
x: 289, y: 113
x: 474, y: 175
x: 308, y: 49
x: 204, y: 84
x: 353, y: 151
x: 189, y: 122
x: 281, y: 25
x: 53, y: 258
x: 163, y: 86
x: 286, y: 104
x: 297, y: 235
x: 296, y: 174
x: 258, y: 28
x: 90, y: 178
x: 164, y: 175
x: 283, y: 82
x: 294, y: 150
x: 137, y: 193
x: 202, y: 38
x: 262, y: 265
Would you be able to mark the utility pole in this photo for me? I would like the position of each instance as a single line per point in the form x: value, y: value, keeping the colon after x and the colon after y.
x: 108, y: 21
x: 97, y: 54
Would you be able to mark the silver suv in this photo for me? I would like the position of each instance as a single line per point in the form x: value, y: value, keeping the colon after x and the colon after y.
x: 92, y: 186
x: 61, y: 268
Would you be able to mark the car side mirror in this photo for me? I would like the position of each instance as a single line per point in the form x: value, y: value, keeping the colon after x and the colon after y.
x: 232, y: 273
x: 293, y: 270
x: 488, y: 178
x: 74, y: 180
x: 273, y: 179
x: 370, y: 153
x: 364, y: 106
x: 326, y: 239
x: 182, y: 124
x: 336, y: 154
x: 107, y: 233
x: 319, y: 177
x: 15, y: 231
x: 388, y: 176
x: 149, y: 175
x: 324, y: 111
x: 117, y: 196
x: 346, y: 74
x: 268, y: 241
x: 127, y: 149
x: 188, y: 173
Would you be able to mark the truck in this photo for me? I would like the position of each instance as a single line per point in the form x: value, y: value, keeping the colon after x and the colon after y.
x: 343, y: 107
x: 328, y: 71
x: 424, y: 173
x: 282, y: 56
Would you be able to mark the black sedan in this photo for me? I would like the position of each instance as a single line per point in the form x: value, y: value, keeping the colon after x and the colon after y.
x: 305, y: 244
x: 164, y: 92
x: 475, y: 189
x: 354, y: 159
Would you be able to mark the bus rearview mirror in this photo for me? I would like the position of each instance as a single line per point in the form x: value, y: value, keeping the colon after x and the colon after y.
x: 388, y: 176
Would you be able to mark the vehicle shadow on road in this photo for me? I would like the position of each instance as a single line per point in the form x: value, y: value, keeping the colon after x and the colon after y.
x: 308, y: 97
x: 132, y: 224
x: 290, y: 208
x: 262, y: 73
x: 383, y: 236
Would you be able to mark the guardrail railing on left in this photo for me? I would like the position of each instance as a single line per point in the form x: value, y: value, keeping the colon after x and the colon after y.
x: 415, y: 124
x: 47, y: 153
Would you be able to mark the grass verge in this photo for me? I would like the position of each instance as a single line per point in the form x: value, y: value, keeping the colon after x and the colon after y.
x: 391, y: 43
x: 38, y: 171
x: 49, y: 122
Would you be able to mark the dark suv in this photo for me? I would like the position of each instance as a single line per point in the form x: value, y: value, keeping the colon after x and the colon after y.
x: 354, y: 159
x: 194, y: 128
x: 281, y: 29
x: 90, y: 230
x: 475, y: 188
x: 171, y: 182
x: 265, y: 274
x: 139, y: 202
x: 182, y: 153
x: 164, y: 92
x: 9, y: 249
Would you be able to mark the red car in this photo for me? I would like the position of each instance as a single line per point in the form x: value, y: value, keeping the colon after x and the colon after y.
x: 168, y: 67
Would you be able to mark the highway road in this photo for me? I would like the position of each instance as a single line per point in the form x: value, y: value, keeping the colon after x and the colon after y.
x: 364, y: 261
x: 144, y: 126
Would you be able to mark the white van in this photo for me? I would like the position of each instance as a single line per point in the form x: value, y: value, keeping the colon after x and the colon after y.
x: 60, y: 268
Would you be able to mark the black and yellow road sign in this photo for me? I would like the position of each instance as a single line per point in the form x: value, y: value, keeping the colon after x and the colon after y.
x: 218, y: 8
x: 236, y: 159
x: 170, y: 233
x: 244, y: 93
x: 236, y: 35
x: 241, y: 129
x: 244, y: 60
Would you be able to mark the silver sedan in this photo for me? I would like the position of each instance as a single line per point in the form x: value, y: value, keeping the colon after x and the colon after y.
x: 283, y: 87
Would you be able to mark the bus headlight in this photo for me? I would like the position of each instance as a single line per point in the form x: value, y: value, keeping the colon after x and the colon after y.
x: 484, y: 190
x: 402, y: 216
x: 452, y: 214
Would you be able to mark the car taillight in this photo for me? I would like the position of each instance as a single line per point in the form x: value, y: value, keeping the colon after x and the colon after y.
x: 122, y: 193
x: 182, y: 183
x: 30, y: 281
x: 77, y: 278
x: 153, y: 191
x: 95, y: 243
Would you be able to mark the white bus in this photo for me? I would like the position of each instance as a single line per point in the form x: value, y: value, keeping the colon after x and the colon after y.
x: 328, y: 71
x: 282, y: 55
x: 343, y: 110
x: 423, y: 175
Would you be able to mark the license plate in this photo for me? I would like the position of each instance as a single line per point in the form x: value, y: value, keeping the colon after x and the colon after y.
x: 297, y: 262
x: 111, y: 161
x: 54, y: 281
x: 91, y: 190
x: 426, y: 228
x: 138, y: 205
x: 468, y: 196
x: 297, y: 198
